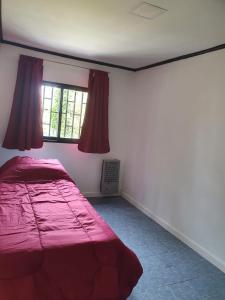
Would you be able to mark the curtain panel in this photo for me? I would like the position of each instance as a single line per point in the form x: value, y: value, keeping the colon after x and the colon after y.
x: 94, y: 135
x: 25, y: 125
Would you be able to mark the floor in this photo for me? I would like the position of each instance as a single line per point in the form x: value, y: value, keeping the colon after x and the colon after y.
x: 172, y: 271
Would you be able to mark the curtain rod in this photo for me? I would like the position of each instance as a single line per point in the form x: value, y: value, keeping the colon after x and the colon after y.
x: 61, y: 63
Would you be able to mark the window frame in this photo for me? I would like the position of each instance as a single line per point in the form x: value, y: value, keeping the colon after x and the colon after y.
x: 62, y: 86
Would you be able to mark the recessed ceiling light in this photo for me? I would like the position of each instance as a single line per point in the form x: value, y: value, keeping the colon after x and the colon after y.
x: 148, y: 11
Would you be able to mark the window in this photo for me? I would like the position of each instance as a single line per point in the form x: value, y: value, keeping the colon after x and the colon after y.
x: 63, y: 109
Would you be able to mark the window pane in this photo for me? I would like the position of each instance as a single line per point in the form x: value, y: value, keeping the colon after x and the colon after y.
x: 51, y: 102
x: 71, y: 95
x: 76, y: 127
x: 68, y: 133
x: 78, y: 102
x: 63, y: 121
x: 65, y: 97
x: 47, y: 104
x: 85, y: 97
x: 46, y: 116
x: 48, y: 92
x: 83, y: 113
x: 69, y: 119
x: 45, y: 130
x: 54, y: 124
x: 56, y: 99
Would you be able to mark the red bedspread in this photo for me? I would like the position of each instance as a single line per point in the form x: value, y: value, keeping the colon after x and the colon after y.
x: 53, y: 244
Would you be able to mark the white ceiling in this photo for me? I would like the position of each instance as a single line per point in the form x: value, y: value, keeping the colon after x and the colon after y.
x: 108, y: 30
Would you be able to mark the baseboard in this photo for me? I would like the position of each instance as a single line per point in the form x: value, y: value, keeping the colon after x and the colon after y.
x: 92, y: 194
x: 98, y: 194
x: 181, y: 236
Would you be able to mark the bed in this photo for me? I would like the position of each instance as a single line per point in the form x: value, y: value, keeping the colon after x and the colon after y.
x: 53, y: 244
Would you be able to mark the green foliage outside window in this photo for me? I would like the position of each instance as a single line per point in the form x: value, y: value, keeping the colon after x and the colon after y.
x: 63, y: 111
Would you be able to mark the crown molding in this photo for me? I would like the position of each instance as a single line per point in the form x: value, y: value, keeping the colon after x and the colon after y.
x: 160, y: 63
x: 97, y: 62
x: 181, y: 57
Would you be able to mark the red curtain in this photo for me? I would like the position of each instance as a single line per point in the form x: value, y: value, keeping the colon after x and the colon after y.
x: 94, y: 135
x: 25, y: 125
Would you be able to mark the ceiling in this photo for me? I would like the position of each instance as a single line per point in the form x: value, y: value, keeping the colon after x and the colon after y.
x: 108, y: 31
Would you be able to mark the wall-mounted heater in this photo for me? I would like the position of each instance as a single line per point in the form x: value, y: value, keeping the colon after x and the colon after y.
x: 110, y: 177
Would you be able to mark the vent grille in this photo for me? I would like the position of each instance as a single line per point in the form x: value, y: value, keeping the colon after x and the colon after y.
x: 148, y: 11
x: 110, y: 176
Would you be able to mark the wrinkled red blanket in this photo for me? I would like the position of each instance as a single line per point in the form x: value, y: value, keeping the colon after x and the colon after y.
x: 53, y: 244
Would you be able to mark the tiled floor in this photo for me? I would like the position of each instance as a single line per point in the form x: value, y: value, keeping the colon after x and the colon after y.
x: 172, y: 271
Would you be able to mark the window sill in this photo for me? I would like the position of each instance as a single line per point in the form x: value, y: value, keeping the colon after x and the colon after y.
x: 60, y: 141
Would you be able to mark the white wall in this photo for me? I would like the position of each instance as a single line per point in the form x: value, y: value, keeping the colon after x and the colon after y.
x: 84, y: 168
x: 175, y: 167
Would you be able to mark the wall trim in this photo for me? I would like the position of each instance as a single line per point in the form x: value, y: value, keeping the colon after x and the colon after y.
x: 181, y: 57
x: 96, y: 62
x: 160, y: 63
x: 98, y: 194
x: 92, y: 194
x: 181, y: 236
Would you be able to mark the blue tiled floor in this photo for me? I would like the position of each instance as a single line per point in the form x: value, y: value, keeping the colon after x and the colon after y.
x: 172, y: 271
